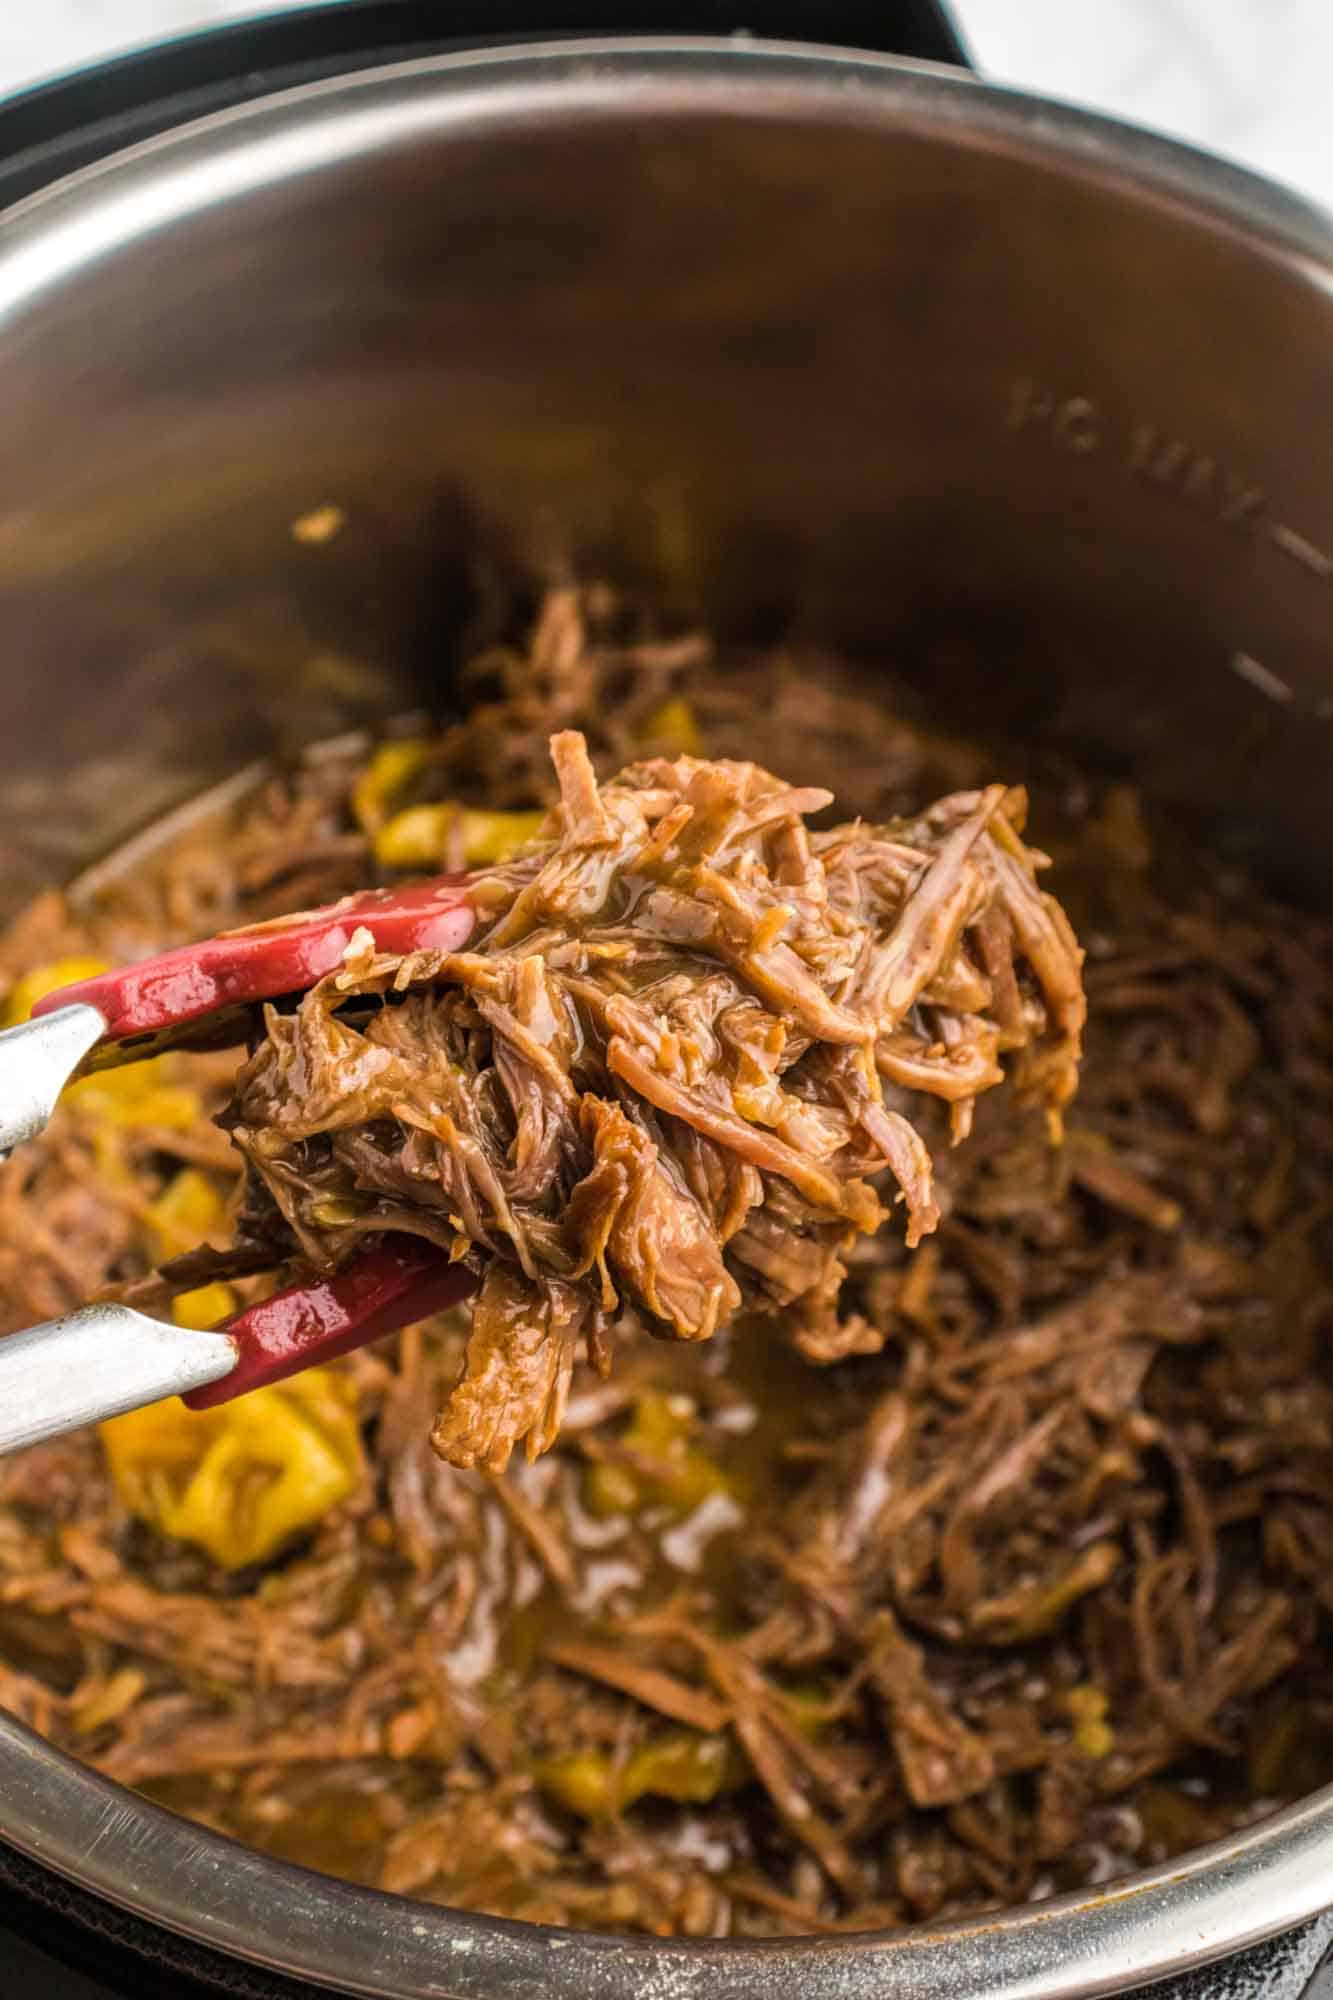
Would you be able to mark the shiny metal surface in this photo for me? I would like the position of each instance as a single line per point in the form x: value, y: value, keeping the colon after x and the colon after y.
x: 37, y: 1059
x: 1030, y: 409
x: 358, y: 1941
x: 96, y: 1363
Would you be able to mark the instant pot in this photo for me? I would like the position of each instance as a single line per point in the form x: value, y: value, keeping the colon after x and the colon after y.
x: 1030, y: 407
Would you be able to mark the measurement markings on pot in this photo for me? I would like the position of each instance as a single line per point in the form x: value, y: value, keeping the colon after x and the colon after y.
x: 1301, y: 551
x: 1077, y: 426
x: 1262, y: 677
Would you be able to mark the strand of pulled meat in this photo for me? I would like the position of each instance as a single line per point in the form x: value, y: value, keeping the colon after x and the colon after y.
x: 666, y: 1077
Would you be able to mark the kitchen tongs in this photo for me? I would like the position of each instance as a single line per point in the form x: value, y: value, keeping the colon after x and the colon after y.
x: 104, y: 1359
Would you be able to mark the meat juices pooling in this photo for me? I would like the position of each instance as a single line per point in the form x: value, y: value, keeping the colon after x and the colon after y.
x: 1028, y: 1588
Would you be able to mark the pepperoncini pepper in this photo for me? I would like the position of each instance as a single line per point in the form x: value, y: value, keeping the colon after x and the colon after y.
x: 684, y: 1765
x: 186, y: 1212
x: 138, y: 1095
x: 43, y: 979
x: 1093, y: 1734
x: 188, y: 1207
x: 393, y: 766
x: 583, y: 1781
x: 673, y: 726
x: 241, y: 1480
x: 204, y: 1306
x: 141, y: 1093
x: 421, y: 836
x: 662, y: 1466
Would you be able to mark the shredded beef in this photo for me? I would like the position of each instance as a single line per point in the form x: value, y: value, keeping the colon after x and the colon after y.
x: 1009, y: 1575
x: 655, y: 1084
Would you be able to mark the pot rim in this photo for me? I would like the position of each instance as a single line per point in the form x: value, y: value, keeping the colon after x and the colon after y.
x: 50, y: 235
x: 141, y: 1858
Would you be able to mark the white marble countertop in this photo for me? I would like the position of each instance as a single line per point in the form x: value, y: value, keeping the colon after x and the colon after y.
x: 1252, y: 79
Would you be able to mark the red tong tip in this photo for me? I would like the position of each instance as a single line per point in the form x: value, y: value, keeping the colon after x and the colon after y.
x: 401, y: 1282
x: 285, y: 956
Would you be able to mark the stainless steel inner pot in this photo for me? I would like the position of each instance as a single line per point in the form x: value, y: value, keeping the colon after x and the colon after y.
x: 1027, y: 406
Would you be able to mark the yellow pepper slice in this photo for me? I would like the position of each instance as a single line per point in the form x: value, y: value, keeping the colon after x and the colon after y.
x: 204, y: 1306
x: 668, y: 1471
x: 187, y: 1209
x: 415, y: 838
x: 584, y: 1781
x: 661, y: 1424
x: 118, y: 1692
x: 139, y: 1094
x: 420, y: 836
x: 498, y: 836
x: 393, y: 766
x: 682, y: 1764
x: 610, y: 1489
x: 242, y: 1480
x: 44, y: 979
x: 674, y: 727
x: 1093, y: 1734
x: 687, y: 1766
x: 681, y: 1474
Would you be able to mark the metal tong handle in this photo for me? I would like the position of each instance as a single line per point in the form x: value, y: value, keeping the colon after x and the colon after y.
x: 99, y: 1362
x: 37, y: 1060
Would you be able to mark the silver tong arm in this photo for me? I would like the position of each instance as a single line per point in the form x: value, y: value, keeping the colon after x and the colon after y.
x: 97, y: 1363
x: 37, y: 1060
